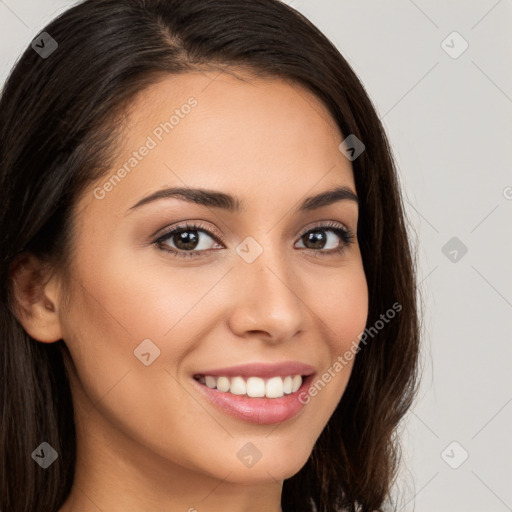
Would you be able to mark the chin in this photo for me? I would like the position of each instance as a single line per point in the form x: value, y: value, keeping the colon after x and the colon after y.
x: 273, y: 464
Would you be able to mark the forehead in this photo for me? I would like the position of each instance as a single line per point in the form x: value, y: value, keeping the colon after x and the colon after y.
x: 262, y: 137
x: 226, y: 97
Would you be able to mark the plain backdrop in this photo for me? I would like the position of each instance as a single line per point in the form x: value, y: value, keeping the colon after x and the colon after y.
x: 439, y: 74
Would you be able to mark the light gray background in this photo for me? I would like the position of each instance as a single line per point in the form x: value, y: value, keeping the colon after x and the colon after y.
x: 449, y: 122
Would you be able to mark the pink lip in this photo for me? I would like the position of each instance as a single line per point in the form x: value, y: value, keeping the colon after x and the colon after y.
x: 263, y: 411
x: 263, y: 370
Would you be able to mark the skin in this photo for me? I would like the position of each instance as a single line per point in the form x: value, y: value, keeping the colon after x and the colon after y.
x: 146, y: 439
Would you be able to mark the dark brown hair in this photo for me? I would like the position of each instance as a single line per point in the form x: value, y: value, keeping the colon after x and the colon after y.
x: 59, y: 120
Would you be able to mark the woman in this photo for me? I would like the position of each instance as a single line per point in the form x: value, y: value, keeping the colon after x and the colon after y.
x: 208, y: 292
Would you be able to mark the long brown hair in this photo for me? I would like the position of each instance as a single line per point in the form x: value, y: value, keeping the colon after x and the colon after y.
x: 58, y: 127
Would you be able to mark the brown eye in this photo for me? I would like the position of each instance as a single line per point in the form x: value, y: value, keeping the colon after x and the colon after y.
x: 185, y: 240
x: 189, y: 240
x: 319, y: 240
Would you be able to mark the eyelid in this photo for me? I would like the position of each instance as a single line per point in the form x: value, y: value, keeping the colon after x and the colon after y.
x: 190, y: 225
x: 324, y: 224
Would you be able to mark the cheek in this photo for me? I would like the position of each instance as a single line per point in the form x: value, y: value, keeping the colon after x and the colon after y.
x: 116, y: 305
x: 342, y: 311
x: 342, y: 306
x: 119, y: 303
x: 132, y: 296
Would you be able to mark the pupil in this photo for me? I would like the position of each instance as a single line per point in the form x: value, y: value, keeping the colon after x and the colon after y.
x: 183, y: 243
x: 318, y: 239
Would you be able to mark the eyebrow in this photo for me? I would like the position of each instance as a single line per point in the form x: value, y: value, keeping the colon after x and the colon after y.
x: 215, y: 199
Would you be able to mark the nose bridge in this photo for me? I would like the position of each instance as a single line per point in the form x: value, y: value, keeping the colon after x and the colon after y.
x: 269, y: 300
x: 265, y: 263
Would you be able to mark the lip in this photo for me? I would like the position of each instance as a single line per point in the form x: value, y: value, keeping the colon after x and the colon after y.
x: 263, y: 370
x: 262, y: 411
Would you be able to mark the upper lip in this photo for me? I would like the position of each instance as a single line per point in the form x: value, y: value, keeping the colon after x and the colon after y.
x: 262, y: 370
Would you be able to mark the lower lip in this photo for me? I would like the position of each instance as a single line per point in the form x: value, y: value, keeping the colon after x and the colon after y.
x: 263, y: 411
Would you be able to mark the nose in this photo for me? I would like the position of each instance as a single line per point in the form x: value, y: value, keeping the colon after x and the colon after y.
x: 267, y: 299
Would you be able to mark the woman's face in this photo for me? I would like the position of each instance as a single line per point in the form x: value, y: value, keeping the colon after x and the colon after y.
x: 245, y: 287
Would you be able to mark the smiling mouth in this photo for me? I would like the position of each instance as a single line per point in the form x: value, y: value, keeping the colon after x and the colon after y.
x: 253, y: 387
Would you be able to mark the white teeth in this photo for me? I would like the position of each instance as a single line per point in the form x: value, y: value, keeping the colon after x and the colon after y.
x: 287, y: 384
x: 223, y: 384
x: 210, y: 381
x: 274, y: 387
x: 297, y: 381
x: 238, y: 386
x: 255, y: 387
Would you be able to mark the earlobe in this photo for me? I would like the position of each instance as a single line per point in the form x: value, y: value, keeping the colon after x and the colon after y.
x: 35, y: 298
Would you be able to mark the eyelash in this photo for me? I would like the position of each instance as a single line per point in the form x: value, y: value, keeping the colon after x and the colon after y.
x: 345, y: 234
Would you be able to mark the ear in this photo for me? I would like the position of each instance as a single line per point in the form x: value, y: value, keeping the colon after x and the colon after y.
x: 36, y: 298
